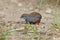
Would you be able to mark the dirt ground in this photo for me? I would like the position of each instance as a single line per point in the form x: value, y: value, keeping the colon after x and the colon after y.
x: 11, y: 10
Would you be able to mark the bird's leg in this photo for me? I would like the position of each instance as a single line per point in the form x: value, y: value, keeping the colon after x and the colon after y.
x: 30, y: 22
x: 26, y: 22
x: 36, y: 26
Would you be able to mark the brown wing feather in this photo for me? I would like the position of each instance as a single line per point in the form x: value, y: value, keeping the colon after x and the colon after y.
x: 33, y: 14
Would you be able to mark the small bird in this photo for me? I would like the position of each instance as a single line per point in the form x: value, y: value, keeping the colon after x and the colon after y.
x: 32, y: 18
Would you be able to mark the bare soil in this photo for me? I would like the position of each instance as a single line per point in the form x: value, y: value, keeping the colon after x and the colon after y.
x: 11, y: 10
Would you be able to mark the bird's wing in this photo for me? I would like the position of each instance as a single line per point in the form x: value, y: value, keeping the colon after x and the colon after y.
x: 33, y: 19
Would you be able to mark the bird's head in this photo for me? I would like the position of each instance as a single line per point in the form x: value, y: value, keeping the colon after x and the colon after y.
x: 24, y: 16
